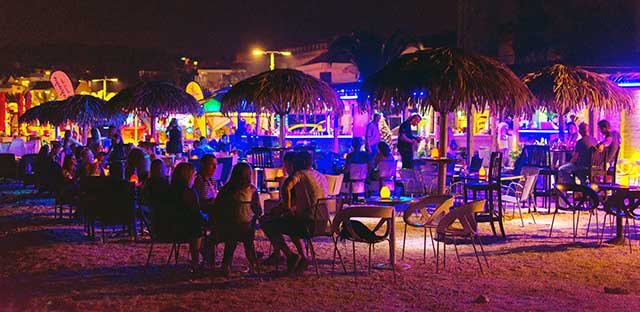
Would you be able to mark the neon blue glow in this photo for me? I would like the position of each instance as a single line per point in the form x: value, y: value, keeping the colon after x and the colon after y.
x: 628, y: 84
x: 348, y: 97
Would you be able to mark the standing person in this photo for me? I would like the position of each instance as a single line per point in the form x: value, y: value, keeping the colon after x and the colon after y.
x: 581, y: 158
x: 233, y: 219
x: 117, y: 153
x: 503, y: 141
x: 406, y: 140
x: 174, y: 132
x: 372, y: 135
x: 205, y: 184
x: 611, y: 142
x: 309, y: 185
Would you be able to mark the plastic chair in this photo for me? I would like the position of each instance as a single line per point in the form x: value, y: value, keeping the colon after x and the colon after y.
x: 17, y: 147
x: 411, y: 180
x: 460, y: 223
x: 417, y: 215
x: 334, y: 183
x: 27, y: 168
x: 356, y: 182
x: 387, y: 174
x: 575, y: 198
x: 270, y: 179
x: 343, y: 227
x: 520, y: 193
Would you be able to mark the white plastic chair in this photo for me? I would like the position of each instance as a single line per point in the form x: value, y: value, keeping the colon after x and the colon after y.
x: 17, y: 147
x: 520, y: 193
x: 357, y: 176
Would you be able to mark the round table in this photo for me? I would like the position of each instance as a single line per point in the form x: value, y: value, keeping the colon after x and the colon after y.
x: 619, y: 239
x: 441, y: 162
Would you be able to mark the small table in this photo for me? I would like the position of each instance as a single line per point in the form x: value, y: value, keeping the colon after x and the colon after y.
x: 389, y: 202
x: 559, y: 156
x: 619, y: 239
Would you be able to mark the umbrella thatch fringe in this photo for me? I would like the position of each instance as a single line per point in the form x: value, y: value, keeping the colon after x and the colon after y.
x: 281, y: 91
x: 562, y: 88
x: 156, y: 98
x: 84, y: 110
x: 446, y: 79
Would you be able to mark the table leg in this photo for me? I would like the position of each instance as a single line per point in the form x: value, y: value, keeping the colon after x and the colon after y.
x: 619, y: 239
x: 392, y: 238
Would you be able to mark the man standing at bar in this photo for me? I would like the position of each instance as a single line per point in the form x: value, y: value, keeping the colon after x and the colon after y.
x: 372, y: 135
x: 406, y: 140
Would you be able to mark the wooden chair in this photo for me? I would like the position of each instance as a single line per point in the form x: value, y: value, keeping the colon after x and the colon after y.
x: 493, y: 184
x: 343, y: 227
x: 417, y: 215
x: 460, y: 223
x: 520, y: 193
x: 575, y: 198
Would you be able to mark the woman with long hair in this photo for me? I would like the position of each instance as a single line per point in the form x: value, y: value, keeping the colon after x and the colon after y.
x: 183, y: 211
x: 235, y: 212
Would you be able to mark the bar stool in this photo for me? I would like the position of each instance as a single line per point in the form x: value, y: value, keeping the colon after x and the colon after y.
x: 489, y: 187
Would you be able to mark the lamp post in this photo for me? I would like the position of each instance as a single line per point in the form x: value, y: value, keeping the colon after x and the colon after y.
x: 272, y: 66
x: 104, y: 85
x: 272, y: 56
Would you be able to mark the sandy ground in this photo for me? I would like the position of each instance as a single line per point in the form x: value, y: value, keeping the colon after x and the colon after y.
x: 48, y: 264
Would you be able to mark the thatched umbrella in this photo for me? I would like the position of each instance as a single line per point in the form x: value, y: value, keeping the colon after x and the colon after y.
x: 155, y: 99
x: 282, y: 91
x: 447, y: 79
x: 83, y: 110
x: 562, y: 88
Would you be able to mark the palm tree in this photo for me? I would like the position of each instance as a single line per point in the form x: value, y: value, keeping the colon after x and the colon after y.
x: 369, y: 51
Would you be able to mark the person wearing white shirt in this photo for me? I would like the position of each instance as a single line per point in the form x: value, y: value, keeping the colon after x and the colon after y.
x: 372, y: 135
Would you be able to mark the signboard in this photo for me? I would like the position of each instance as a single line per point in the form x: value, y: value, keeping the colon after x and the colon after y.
x: 62, y: 84
x: 194, y: 89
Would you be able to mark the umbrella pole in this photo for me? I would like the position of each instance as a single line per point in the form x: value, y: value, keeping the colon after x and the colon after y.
x: 469, y: 135
x: 154, y: 137
x: 442, y: 167
x: 336, y: 144
x: 560, y: 127
x: 281, y: 138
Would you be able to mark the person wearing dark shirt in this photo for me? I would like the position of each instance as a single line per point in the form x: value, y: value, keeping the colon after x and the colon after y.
x: 611, y: 143
x: 581, y: 158
x: 406, y: 140
x: 174, y: 145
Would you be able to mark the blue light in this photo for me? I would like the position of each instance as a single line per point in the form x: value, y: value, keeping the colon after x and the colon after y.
x: 348, y: 97
x: 628, y: 84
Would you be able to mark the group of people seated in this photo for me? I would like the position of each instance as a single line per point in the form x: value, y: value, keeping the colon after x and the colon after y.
x: 581, y: 159
x: 358, y: 156
x: 184, y: 206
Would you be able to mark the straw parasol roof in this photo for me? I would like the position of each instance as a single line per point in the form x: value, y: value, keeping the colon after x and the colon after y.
x: 562, y: 88
x: 84, y: 110
x: 155, y: 99
x: 281, y: 91
x: 447, y: 79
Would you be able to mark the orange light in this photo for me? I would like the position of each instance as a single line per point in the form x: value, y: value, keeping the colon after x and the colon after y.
x: 134, y: 179
x: 280, y: 173
x: 482, y: 173
x: 194, y: 157
x: 435, y: 153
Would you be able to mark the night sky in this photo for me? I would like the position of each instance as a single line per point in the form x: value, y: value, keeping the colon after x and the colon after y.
x: 212, y: 29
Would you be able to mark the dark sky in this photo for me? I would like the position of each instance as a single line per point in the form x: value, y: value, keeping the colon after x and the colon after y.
x: 212, y: 29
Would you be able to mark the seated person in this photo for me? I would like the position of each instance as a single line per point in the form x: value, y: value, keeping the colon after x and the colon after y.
x: 383, y: 154
x: 138, y: 163
x: 205, y: 184
x: 179, y: 216
x: 157, y: 185
x: 197, y: 150
x: 88, y: 166
x: 581, y: 158
x: 232, y: 220
x: 611, y: 143
x: 205, y: 146
x: 309, y: 185
x: 357, y: 156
